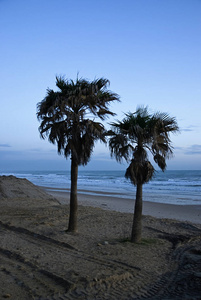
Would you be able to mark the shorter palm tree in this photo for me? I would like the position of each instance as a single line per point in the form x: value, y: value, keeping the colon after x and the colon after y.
x: 132, y: 139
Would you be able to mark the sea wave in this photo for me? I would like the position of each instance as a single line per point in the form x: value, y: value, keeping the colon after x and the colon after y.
x: 178, y: 187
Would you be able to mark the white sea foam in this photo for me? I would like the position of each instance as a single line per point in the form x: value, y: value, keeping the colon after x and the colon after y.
x: 177, y: 187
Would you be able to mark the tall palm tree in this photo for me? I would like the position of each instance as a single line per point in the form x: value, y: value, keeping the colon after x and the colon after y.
x: 133, y: 139
x: 68, y: 118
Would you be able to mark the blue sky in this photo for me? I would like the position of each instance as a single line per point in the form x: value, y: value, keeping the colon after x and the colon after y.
x: 150, y: 50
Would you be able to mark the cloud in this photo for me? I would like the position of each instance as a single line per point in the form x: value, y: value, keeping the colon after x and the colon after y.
x: 189, y: 128
x: 5, y: 145
x: 178, y: 148
x: 186, y: 129
x: 193, y: 150
x: 9, y: 154
x: 35, y: 149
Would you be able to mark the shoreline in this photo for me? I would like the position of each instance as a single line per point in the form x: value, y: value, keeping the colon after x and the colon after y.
x: 107, y: 201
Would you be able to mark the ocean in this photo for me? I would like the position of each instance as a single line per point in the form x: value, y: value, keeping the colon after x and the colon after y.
x: 173, y: 187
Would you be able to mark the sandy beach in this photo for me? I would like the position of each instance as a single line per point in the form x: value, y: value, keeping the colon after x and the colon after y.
x: 190, y: 213
x: 39, y: 260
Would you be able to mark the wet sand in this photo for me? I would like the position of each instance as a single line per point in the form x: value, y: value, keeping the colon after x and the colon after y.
x: 190, y: 213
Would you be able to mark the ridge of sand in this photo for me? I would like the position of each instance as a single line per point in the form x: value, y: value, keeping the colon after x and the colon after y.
x: 15, y: 188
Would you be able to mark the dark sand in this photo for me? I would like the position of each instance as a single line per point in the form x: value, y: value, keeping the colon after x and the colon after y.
x: 39, y: 260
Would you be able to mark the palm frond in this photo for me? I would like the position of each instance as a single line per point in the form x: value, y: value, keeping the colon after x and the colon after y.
x: 139, y: 172
x: 144, y: 132
x: 160, y: 160
x: 63, y: 115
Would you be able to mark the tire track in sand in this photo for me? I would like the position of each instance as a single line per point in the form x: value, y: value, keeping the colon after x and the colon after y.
x: 181, y: 283
x: 27, y: 252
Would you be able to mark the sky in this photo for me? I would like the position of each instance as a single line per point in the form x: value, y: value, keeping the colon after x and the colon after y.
x: 150, y: 50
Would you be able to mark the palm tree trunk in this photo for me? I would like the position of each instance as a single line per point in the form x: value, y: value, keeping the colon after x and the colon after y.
x: 137, y: 220
x: 72, y: 225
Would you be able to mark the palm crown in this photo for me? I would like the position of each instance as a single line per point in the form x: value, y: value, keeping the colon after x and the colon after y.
x: 65, y: 115
x: 138, y: 134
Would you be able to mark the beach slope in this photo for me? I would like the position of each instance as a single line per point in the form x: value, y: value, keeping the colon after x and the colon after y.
x: 39, y: 260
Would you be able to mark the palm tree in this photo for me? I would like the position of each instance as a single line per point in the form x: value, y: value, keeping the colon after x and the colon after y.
x: 133, y: 139
x: 65, y: 119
